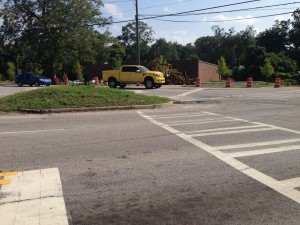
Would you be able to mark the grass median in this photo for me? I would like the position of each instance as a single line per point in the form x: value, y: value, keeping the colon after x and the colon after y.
x: 56, y: 97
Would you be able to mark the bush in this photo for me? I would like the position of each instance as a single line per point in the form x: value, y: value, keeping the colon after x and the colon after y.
x: 283, y: 76
x: 289, y: 82
x: 296, y: 77
x: 11, y: 71
x: 238, y: 74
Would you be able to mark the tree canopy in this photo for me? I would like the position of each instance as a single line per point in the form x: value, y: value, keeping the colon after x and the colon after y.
x: 54, y: 35
x: 53, y: 31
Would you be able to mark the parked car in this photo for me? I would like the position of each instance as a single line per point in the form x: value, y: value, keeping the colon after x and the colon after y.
x: 32, y: 79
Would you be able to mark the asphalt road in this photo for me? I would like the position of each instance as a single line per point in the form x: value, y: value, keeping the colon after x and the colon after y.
x: 12, y: 89
x: 221, y: 156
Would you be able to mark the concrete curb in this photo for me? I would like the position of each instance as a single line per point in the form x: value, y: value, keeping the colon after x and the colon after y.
x: 89, y: 109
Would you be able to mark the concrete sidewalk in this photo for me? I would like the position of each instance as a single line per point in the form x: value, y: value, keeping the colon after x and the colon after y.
x: 33, y: 198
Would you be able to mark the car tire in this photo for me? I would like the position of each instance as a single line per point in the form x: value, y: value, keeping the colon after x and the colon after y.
x: 112, y: 83
x: 122, y: 85
x: 149, y: 84
x: 20, y: 84
x: 36, y: 84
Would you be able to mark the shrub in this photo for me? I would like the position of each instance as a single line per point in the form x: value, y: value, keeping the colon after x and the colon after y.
x: 11, y: 71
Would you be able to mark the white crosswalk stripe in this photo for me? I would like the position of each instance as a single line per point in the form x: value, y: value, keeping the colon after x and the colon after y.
x: 33, y: 197
x: 285, y: 187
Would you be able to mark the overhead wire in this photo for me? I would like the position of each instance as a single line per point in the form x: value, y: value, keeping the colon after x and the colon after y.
x: 226, y: 20
x: 156, y: 17
x: 149, y: 7
x: 204, y: 9
x: 228, y: 11
x: 114, y: 2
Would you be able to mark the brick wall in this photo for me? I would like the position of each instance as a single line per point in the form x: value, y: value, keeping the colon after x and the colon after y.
x: 207, y: 71
x: 194, y: 68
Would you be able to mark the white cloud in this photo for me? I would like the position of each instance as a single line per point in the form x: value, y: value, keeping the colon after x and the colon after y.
x: 179, y: 36
x: 114, y: 11
x: 236, y: 19
x: 281, y: 17
x: 168, y: 10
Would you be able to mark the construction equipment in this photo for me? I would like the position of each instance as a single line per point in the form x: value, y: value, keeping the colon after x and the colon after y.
x: 171, y: 75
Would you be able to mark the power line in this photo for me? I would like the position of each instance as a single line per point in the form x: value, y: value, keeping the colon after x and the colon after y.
x: 198, y: 10
x: 114, y: 2
x: 149, y: 7
x: 181, y: 13
x: 218, y: 21
x: 228, y: 11
x: 187, y: 21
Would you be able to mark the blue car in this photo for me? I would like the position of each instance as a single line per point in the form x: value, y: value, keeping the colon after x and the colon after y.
x: 32, y: 79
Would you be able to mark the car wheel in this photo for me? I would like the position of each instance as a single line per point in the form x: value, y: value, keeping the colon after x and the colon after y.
x: 122, y: 85
x: 112, y: 83
x: 20, y: 84
x: 149, y: 84
x: 30, y: 85
x: 36, y: 84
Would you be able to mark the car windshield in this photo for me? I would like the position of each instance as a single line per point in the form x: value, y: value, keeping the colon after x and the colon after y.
x: 143, y: 69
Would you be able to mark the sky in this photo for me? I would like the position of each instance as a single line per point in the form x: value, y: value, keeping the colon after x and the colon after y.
x: 200, y: 24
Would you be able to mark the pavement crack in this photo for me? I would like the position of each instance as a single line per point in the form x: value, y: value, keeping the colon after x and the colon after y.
x: 32, y: 199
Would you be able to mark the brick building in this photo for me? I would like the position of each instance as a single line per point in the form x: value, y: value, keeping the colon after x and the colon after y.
x: 196, y: 68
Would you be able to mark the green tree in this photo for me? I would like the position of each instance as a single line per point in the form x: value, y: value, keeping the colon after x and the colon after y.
x: 275, y: 39
x: 223, y: 69
x: 11, y: 71
x: 282, y: 63
x: 254, y: 59
x: 163, y: 48
x: 53, y: 31
x: 267, y: 70
x: 186, y: 52
x: 295, y: 37
x: 117, y: 53
x: 208, y: 49
x: 77, y: 70
x: 128, y: 39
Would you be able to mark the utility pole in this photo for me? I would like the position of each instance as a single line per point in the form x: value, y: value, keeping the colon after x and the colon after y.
x: 138, y: 60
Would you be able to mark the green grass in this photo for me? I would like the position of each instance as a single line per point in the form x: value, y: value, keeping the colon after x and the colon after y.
x: 61, y: 96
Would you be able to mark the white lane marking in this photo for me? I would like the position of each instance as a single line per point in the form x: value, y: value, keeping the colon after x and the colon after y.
x: 221, y: 129
x: 33, y: 197
x: 189, y: 92
x: 278, y: 186
x: 279, y: 128
x: 257, y: 144
x: 30, y: 131
x: 194, y: 120
x: 264, y: 151
x: 171, y: 116
x: 232, y: 132
x: 207, y: 121
x: 188, y: 107
x: 178, y: 115
x: 294, y: 182
x: 138, y: 91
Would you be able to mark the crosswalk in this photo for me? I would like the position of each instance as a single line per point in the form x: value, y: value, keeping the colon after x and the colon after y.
x: 32, y: 198
x: 194, y: 127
